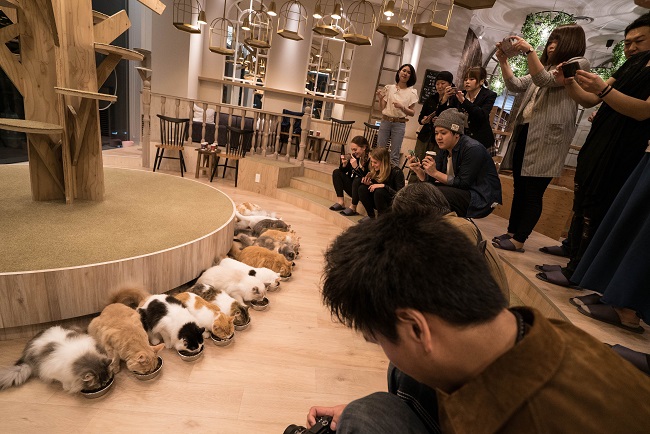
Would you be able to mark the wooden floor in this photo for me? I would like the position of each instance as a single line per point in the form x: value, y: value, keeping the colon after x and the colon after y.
x: 293, y: 356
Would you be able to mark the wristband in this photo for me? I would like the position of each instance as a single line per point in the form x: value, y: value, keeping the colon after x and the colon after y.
x: 604, y: 92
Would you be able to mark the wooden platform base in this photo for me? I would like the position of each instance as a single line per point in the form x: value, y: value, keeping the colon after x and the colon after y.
x: 64, y: 287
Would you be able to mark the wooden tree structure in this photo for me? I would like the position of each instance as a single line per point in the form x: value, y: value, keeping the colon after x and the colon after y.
x: 57, y: 75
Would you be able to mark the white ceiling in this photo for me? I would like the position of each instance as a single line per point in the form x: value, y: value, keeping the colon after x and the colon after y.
x: 610, y: 17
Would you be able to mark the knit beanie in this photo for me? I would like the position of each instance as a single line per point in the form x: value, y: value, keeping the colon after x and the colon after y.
x: 451, y: 119
x: 445, y: 75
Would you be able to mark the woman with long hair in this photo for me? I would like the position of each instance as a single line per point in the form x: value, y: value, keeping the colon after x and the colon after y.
x: 380, y: 185
x: 544, y: 126
x: 347, y: 177
x: 396, y: 101
x: 477, y: 101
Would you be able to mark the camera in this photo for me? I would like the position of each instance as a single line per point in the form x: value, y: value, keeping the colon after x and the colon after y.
x: 508, y: 49
x: 569, y: 69
x: 322, y: 426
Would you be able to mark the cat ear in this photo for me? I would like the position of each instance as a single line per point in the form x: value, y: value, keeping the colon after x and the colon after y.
x: 157, y: 348
x: 88, y: 376
x: 142, y: 358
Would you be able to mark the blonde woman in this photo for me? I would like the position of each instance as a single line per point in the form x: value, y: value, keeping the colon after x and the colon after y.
x: 380, y: 185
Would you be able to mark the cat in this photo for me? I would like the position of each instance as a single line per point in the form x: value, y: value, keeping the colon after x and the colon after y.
x: 240, y: 285
x: 164, y: 318
x: 262, y: 225
x: 208, y: 315
x: 225, y: 302
x: 282, y: 247
x: 257, y: 256
x: 248, y: 209
x: 58, y: 354
x: 251, y: 220
x: 118, y: 330
x: 270, y: 278
x: 290, y: 237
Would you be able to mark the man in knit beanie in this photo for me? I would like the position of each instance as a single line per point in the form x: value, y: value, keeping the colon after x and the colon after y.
x: 462, y: 170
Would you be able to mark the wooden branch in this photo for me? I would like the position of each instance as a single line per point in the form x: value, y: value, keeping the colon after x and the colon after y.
x: 10, y: 3
x: 109, y: 29
x: 41, y: 144
x: 106, y: 67
x: 125, y: 53
x: 85, y: 94
x: 155, y: 5
x: 12, y: 67
x: 98, y: 17
x: 47, y: 13
x: 80, y: 127
x: 30, y: 127
x: 8, y: 33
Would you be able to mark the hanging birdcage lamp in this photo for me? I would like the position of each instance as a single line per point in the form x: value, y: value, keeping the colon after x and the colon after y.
x: 433, y: 18
x: 361, y: 23
x: 293, y: 20
x: 326, y: 17
x: 188, y: 15
x: 261, y: 28
x: 395, y: 17
x: 325, y: 62
x: 475, y: 4
x: 220, y: 29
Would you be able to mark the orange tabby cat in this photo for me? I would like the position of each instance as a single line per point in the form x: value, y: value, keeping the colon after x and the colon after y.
x: 208, y: 315
x: 118, y: 329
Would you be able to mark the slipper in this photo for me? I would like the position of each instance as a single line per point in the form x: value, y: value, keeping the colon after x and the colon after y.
x: 606, y: 313
x: 555, y: 251
x: 547, y: 267
x: 501, y: 237
x: 349, y: 212
x: 556, y: 278
x: 640, y: 360
x: 586, y: 300
x: 337, y: 207
x: 506, y: 245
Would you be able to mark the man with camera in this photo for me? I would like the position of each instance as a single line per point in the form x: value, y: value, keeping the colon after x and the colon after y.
x: 481, y: 368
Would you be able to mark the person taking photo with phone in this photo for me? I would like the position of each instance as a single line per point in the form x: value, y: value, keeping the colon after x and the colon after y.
x: 347, y: 178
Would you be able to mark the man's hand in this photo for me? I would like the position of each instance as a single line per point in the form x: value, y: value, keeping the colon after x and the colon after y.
x: 334, y: 412
x: 429, y: 165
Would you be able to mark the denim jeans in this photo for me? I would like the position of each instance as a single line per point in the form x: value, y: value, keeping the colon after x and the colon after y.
x: 395, y: 132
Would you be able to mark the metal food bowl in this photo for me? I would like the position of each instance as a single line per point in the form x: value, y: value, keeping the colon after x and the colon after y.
x: 96, y: 393
x: 262, y: 304
x: 222, y: 342
x: 189, y: 357
x: 243, y: 326
x: 151, y: 375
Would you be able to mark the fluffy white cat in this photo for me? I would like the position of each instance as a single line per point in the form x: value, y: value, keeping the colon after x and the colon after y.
x: 270, y: 278
x: 239, y: 284
x: 249, y: 221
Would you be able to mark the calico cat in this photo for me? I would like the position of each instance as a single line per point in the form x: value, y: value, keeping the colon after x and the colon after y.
x: 208, y: 315
x: 164, y: 318
x: 238, y: 284
x: 225, y: 302
x: 118, y: 329
x: 64, y: 355
x: 270, y: 278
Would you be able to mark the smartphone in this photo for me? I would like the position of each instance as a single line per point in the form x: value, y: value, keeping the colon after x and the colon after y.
x: 507, y: 48
x: 569, y: 69
x: 412, y: 154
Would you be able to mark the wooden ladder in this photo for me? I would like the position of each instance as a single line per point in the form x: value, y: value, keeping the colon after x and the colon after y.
x: 391, y: 60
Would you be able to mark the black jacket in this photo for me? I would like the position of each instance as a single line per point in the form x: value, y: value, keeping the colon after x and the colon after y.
x: 432, y: 104
x: 478, y: 114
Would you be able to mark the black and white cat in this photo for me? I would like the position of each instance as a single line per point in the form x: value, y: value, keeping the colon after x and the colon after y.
x: 164, y: 318
x: 59, y: 354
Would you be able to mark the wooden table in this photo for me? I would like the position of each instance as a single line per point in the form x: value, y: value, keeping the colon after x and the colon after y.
x: 313, y: 146
x: 206, y: 159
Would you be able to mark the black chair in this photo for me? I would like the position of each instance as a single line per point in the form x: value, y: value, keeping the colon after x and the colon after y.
x: 339, y: 133
x: 292, y: 137
x: 173, y: 133
x: 238, y: 144
x: 370, y: 132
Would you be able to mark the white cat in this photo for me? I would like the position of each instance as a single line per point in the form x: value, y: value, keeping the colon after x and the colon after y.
x: 165, y: 319
x: 239, y: 284
x: 64, y: 355
x: 225, y: 302
x: 270, y: 278
x: 251, y: 220
x: 208, y: 315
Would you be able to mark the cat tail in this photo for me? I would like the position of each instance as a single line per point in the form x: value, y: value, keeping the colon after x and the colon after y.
x: 132, y: 297
x: 15, y: 375
x: 247, y: 231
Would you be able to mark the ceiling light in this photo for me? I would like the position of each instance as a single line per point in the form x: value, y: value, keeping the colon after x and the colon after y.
x: 202, y: 19
x: 246, y: 24
x: 390, y: 9
x: 338, y: 10
x: 272, y: 11
x: 318, y: 14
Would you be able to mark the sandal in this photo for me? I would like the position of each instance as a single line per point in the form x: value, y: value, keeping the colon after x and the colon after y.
x: 349, y: 212
x: 547, y: 267
x: 506, y: 244
x: 555, y: 251
x: 556, y: 277
x: 337, y: 207
x: 586, y: 300
x: 606, y: 313
x: 501, y: 237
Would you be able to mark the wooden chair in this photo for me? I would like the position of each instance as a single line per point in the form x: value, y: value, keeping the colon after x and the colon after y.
x: 339, y: 133
x: 287, y: 135
x: 173, y: 133
x: 370, y: 133
x: 238, y: 144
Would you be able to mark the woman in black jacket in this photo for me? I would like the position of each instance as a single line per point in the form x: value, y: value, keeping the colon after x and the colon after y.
x: 380, y: 185
x: 477, y: 101
x: 347, y: 177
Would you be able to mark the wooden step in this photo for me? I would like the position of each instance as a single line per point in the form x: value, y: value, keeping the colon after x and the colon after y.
x: 124, y: 53
x: 314, y: 186
x: 315, y: 205
x: 320, y: 175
